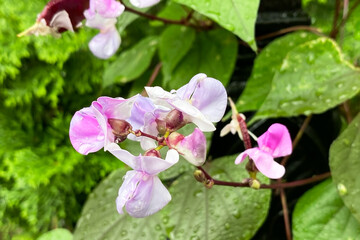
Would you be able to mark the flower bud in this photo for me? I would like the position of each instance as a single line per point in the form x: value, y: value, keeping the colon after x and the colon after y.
x: 161, y: 126
x: 173, y: 139
x: 120, y: 129
x: 209, y: 183
x: 174, y: 120
x: 199, y: 176
x: 152, y: 153
x: 254, y: 183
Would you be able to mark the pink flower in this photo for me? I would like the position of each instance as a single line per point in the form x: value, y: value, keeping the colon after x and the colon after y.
x: 102, y: 15
x: 192, y: 147
x: 202, y: 100
x: 90, y: 129
x: 144, y: 3
x: 275, y: 142
x: 142, y: 193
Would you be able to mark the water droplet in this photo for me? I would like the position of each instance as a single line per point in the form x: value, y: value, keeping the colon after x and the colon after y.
x: 157, y: 227
x: 342, y: 97
x: 123, y: 233
x: 198, y: 193
x: 165, y: 219
x: 340, y: 85
x: 237, y: 214
x: 227, y: 226
x: 342, y: 189
x: 194, y: 237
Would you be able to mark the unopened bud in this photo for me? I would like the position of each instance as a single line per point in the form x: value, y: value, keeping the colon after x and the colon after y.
x: 173, y: 139
x: 152, y: 153
x: 174, y: 120
x: 209, y: 183
x: 199, y: 176
x: 161, y: 126
x: 254, y: 183
x: 120, y: 129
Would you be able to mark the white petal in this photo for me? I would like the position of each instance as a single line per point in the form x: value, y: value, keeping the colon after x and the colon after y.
x: 61, y: 20
x: 144, y: 3
x: 104, y: 45
x: 155, y: 165
x: 127, y: 189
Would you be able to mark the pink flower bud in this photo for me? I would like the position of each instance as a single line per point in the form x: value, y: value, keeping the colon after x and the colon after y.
x: 152, y: 153
x: 120, y: 129
x: 174, y: 120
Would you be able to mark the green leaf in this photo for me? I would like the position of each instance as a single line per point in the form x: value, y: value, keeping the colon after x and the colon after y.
x: 196, y: 212
x: 320, y: 214
x: 56, y: 234
x: 100, y: 219
x: 237, y: 16
x: 313, y: 78
x: 213, y: 52
x: 345, y: 165
x: 174, y: 43
x: 266, y: 64
x: 131, y: 63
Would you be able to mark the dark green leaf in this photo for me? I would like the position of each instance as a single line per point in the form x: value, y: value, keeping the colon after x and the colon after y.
x: 266, y: 64
x: 213, y: 53
x: 174, y: 43
x: 345, y: 165
x: 313, y: 78
x: 237, y: 16
x: 320, y: 214
x: 131, y: 63
x: 196, y: 212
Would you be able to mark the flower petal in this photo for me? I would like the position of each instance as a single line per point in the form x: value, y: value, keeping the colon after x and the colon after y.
x: 206, y: 94
x: 86, y: 135
x: 264, y: 162
x: 193, y: 147
x: 127, y: 189
x: 160, y: 96
x: 144, y: 3
x: 150, y: 196
x: 155, y: 165
x: 141, y: 106
x: 276, y: 141
x: 124, y: 156
x: 105, y: 44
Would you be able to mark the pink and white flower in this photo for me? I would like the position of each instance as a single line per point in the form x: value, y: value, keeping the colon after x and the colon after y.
x: 202, y: 100
x: 142, y: 193
x: 275, y: 142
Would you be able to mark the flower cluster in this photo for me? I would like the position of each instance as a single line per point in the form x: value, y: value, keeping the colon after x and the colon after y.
x: 152, y: 121
x: 66, y: 15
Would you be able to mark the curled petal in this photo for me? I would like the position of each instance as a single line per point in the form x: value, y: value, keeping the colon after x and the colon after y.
x: 206, y: 94
x: 144, y: 3
x: 86, y: 135
x: 105, y: 8
x: 124, y: 156
x: 276, y: 141
x: 193, y: 147
x: 160, y: 96
x: 264, y: 162
x: 150, y: 196
x: 105, y: 44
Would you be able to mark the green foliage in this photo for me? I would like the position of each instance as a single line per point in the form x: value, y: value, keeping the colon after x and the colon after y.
x: 174, y: 43
x: 193, y: 212
x: 320, y: 214
x: 237, y: 16
x: 131, y: 63
x: 213, y: 52
x: 56, y: 234
x: 345, y: 165
x: 266, y: 65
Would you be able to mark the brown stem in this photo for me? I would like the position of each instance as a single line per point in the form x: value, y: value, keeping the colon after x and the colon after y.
x: 335, y: 19
x: 269, y: 186
x: 244, y: 132
x: 153, y: 76
x: 335, y: 31
x: 347, y: 111
x: 139, y: 133
x: 290, y: 29
x: 285, y: 214
x: 297, y: 138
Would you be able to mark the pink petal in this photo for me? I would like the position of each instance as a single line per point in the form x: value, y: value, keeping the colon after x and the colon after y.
x: 85, y: 133
x: 242, y: 156
x: 141, y: 106
x: 276, y: 141
x: 105, y: 44
x: 264, y: 162
x: 124, y: 156
x: 127, y: 189
x: 144, y: 3
x: 186, y: 91
x: 193, y: 147
x: 150, y: 196
x: 105, y: 8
